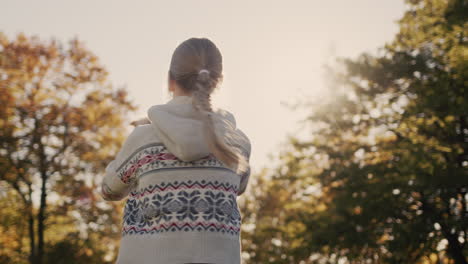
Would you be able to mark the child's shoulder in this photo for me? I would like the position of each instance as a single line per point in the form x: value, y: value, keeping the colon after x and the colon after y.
x: 141, y: 135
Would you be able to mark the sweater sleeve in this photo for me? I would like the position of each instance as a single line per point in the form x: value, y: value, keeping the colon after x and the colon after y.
x: 118, y: 183
x: 245, y: 149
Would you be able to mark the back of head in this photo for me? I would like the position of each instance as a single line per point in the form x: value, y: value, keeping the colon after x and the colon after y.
x: 196, y: 67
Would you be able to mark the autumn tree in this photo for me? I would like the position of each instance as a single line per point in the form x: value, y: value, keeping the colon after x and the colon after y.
x: 61, y: 121
x: 383, y: 177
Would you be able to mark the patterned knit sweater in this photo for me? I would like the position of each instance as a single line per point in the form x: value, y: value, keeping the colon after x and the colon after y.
x: 181, y: 201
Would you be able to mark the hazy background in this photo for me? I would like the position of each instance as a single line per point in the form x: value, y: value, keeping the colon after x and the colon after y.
x: 273, y: 51
x: 377, y: 174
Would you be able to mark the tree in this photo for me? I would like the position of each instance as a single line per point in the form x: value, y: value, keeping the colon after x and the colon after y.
x: 60, y: 123
x: 398, y: 197
x: 12, y: 227
x: 272, y: 231
x: 388, y: 153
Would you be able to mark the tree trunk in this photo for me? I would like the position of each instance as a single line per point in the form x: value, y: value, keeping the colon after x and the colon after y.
x: 32, y: 244
x: 29, y: 211
x: 41, y: 220
x: 43, y: 202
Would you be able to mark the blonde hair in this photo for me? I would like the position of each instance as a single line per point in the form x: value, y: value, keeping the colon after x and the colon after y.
x: 196, y: 66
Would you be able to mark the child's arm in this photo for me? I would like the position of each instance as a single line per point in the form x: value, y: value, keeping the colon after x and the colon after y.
x: 113, y: 188
x: 116, y: 184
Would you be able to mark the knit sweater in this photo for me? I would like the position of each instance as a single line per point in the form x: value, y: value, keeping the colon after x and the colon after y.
x: 181, y: 200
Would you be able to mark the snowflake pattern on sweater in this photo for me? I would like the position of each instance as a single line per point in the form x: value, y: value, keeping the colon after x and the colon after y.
x: 189, y: 206
x: 172, y: 206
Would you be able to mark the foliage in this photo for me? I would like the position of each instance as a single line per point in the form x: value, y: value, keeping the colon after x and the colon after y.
x: 60, y: 123
x: 387, y: 157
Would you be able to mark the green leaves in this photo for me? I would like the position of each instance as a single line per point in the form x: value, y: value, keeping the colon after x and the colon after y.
x: 387, y: 159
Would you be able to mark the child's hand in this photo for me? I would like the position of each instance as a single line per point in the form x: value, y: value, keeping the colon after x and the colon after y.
x: 140, y: 122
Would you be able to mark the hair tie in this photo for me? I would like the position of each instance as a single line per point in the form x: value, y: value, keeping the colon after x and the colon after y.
x: 203, y: 70
x: 202, y: 76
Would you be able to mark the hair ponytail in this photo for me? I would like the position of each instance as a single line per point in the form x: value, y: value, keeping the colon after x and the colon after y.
x: 202, y: 103
x: 196, y: 66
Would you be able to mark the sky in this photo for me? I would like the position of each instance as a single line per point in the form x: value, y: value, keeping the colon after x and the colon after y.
x: 273, y: 51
